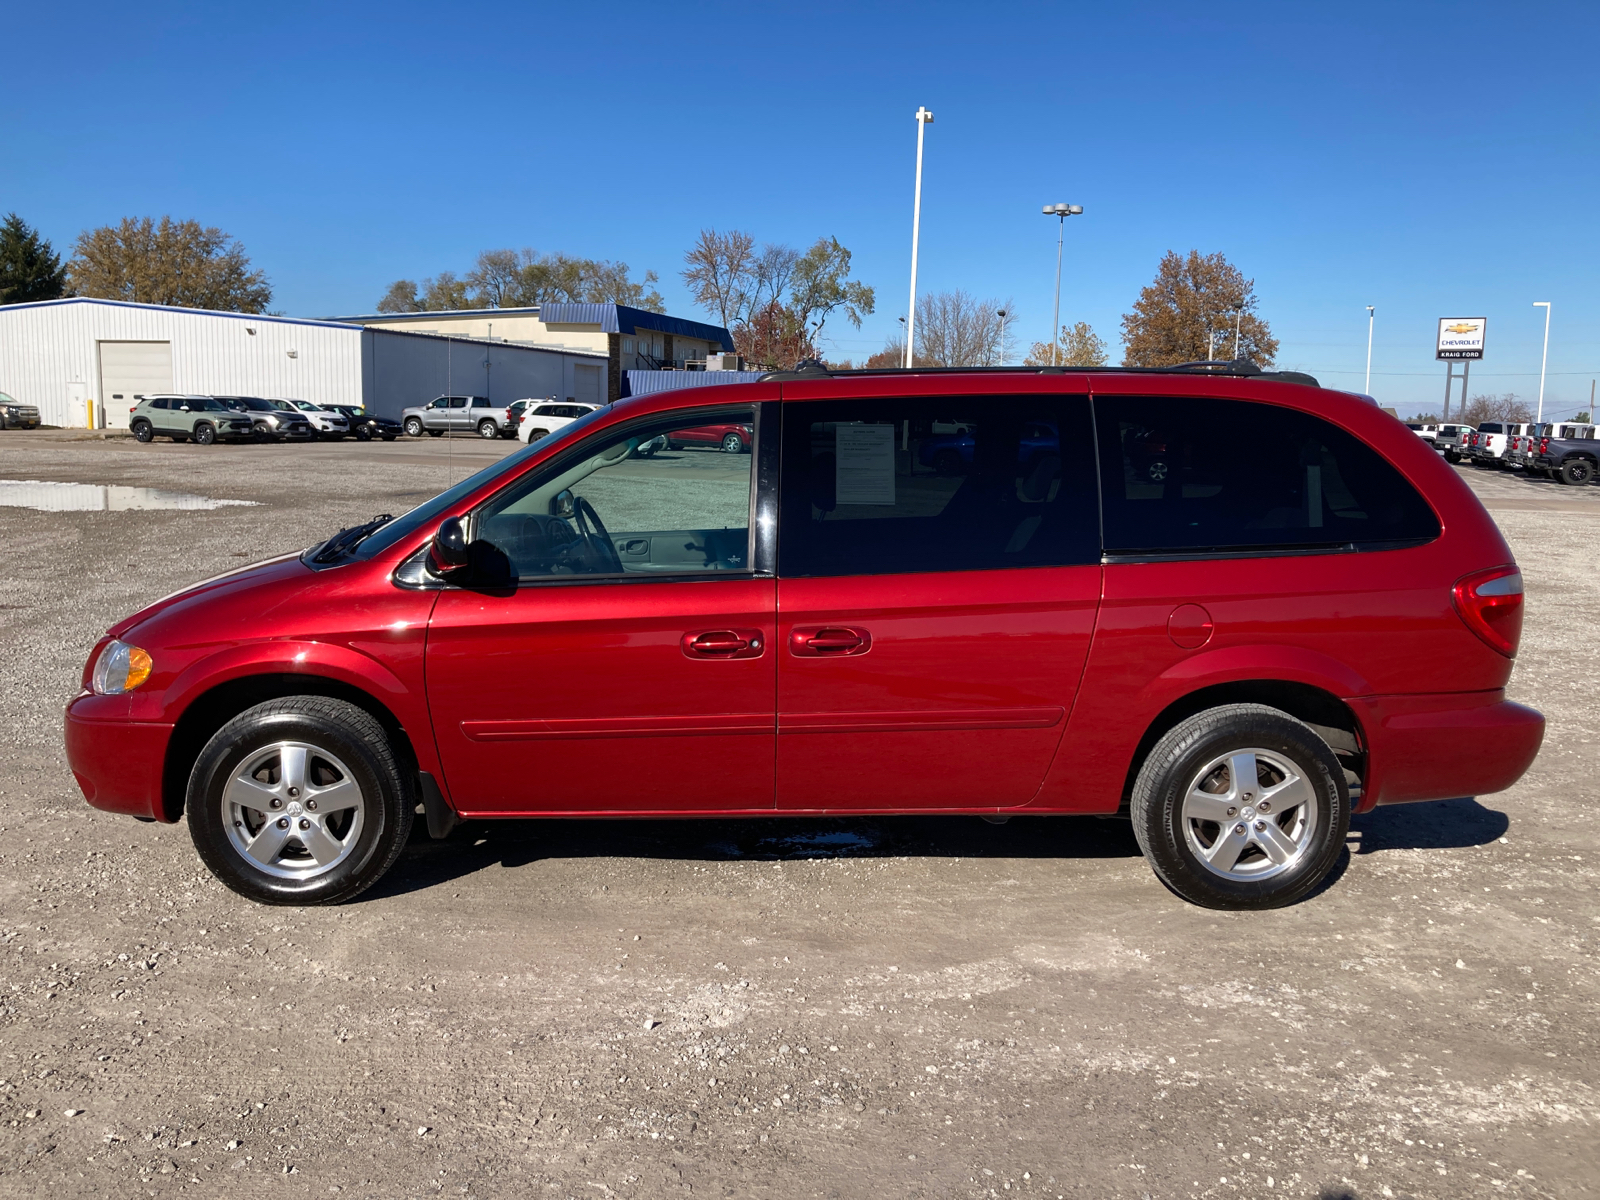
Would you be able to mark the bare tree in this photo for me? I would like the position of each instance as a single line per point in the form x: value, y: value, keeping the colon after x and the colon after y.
x: 1508, y: 407
x: 955, y: 329
x: 516, y: 279
x: 720, y: 269
x: 174, y: 262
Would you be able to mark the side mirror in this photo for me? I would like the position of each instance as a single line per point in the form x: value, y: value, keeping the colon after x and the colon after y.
x: 447, y: 555
x: 185, y: 408
x: 562, y: 504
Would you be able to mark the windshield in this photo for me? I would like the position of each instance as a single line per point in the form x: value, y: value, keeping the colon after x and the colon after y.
x: 207, y: 404
x: 405, y: 525
x: 5, y: 399
x: 282, y: 406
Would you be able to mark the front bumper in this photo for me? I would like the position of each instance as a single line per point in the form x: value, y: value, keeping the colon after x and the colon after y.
x: 118, y: 763
x: 1440, y: 747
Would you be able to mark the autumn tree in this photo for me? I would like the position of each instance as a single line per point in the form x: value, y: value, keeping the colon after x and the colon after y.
x: 1076, y: 346
x: 30, y: 269
x: 179, y: 263
x: 776, y: 300
x: 1188, y: 313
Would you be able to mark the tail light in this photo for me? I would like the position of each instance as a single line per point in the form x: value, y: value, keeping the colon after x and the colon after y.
x: 1544, y: 445
x: 1490, y: 604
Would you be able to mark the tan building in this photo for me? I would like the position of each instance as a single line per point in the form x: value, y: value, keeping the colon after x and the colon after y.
x: 630, y: 338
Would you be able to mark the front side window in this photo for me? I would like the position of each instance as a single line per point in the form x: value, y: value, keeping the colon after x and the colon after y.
x: 1190, y: 475
x: 876, y: 487
x: 441, y: 402
x: 606, y: 510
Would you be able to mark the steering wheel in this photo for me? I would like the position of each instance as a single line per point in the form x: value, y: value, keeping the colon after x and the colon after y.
x: 599, y: 552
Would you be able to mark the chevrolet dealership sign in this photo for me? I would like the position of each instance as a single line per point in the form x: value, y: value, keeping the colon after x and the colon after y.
x: 1460, y: 337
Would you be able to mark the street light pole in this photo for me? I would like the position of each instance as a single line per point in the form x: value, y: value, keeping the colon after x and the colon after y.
x: 1545, y: 361
x: 1001, y: 313
x: 1238, y: 315
x: 1061, y: 211
x: 924, y: 119
x: 1367, y: 387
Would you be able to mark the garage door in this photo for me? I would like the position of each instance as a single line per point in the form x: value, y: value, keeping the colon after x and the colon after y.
x: 127, y: 370
x: 587, y: 382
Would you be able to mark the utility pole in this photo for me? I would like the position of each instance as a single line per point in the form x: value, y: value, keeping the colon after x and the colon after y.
x: 1368, y: 386
x: 924, y: 119
x: 1545, y: 361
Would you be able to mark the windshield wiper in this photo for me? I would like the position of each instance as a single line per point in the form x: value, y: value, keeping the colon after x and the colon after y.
x: 347, y: 539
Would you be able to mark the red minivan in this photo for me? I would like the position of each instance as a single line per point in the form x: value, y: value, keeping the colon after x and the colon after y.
x: 1232, y: 607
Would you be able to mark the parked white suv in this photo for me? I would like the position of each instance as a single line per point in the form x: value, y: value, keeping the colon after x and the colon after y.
x: 540, y: 417
x: 324, y: 421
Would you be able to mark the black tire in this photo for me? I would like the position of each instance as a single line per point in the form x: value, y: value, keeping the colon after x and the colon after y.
x: 535, y: 434
x: 413, y: 426
x: 1577, y: 472
x: 361, y: 435
x: 1452, y: 457
x: 142, y: 431
x: 435, y: 433
x: 732, y: 444
x: 488, y: 430
x: 1168, y: 837
x: 205, y: 434
x: 347, y: 735
x: 261, y: 434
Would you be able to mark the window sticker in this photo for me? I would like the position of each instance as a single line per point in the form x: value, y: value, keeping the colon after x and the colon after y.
x: 864, y: 473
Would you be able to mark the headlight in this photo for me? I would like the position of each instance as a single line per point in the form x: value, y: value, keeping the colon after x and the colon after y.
x: 120, y: 668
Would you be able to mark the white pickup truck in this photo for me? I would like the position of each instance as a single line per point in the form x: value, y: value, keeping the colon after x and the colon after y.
x: 1492, y: 441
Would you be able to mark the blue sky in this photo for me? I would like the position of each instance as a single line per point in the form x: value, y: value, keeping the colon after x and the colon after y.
x: 1433, y: 160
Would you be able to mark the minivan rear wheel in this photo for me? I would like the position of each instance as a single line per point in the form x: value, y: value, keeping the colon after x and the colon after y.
x: 299, y: 801
x: 1241, y: 807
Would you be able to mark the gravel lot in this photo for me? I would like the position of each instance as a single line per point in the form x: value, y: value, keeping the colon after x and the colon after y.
x: 916, y: 1007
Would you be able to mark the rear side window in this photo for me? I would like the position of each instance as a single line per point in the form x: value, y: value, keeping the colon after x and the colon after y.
x: 158, y: 404
x: 895, y: 486
x: 1193, y: 475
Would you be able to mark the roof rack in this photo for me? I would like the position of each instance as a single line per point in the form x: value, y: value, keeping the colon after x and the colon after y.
x: 810, y: 368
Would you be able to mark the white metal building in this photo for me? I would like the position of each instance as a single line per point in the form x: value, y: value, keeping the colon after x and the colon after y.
x: 83, y: 361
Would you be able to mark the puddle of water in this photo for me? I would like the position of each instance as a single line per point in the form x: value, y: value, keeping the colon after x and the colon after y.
x: 102, y: 497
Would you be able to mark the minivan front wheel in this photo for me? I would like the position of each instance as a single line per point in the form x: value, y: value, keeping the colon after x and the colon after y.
x: 1241, y: 807
x: 299, y: 801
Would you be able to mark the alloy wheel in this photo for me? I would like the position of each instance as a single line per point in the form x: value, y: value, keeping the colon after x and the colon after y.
x: 293, y: 810
x: 1250, y: 814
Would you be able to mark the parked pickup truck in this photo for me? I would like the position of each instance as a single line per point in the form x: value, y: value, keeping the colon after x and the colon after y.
x: 1444, y: 438
x: 1488, y: 446
x: 459, y: 414
x: 1573, y: 459
x: 1454, y: 445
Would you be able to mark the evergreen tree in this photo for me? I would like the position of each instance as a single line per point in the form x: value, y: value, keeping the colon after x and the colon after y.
x: 29, y: 268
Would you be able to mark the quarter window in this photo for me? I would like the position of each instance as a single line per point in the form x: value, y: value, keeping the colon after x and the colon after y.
x: 621, y: 505
x: 1193, y: 476
x: 874, y: 487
